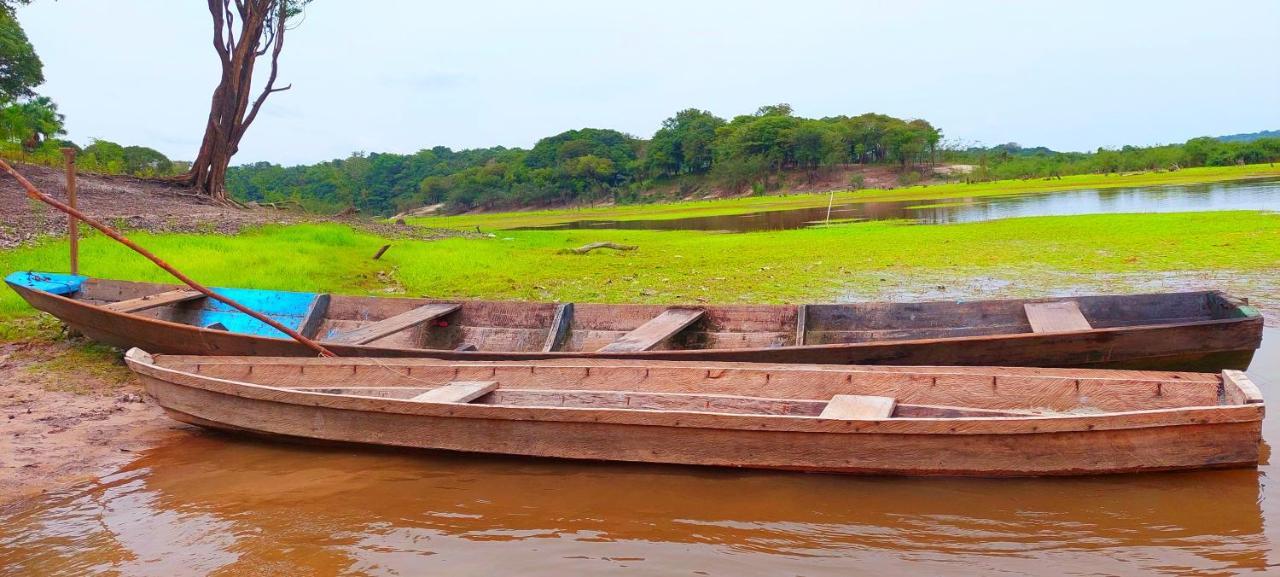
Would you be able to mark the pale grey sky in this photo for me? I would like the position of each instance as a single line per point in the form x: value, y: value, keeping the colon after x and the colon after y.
x: 398, y: 76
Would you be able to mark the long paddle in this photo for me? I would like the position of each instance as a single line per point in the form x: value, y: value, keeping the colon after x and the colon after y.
x: 35, y: 194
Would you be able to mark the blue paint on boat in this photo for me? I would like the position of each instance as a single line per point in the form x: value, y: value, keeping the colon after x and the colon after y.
x: 286, y: 308
x: 50, y: 282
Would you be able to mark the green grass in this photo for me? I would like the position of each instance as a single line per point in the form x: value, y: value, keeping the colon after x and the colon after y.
x: 509, y: 220
x: 301, y: 257
x: 673, y: 266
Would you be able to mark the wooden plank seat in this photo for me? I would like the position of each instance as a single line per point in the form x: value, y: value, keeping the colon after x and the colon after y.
x: 154, y: 300
x: 559, y: 327
x: 1056, y: 317
x: 395, y: 324
x: 314, y: 317
x: 457, y: 392
x: 802, y: 321
x: 650, y: 334
x: 859, y: 407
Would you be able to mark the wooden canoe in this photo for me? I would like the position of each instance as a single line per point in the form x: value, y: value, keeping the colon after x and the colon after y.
x: 1206, y: 331
x: 827, y: 418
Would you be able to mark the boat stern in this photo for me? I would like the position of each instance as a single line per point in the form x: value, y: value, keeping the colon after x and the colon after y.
x: 49, y: 282
x: 1225, y: 306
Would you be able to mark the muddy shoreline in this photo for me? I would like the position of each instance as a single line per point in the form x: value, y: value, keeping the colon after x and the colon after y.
x: 67, y: 417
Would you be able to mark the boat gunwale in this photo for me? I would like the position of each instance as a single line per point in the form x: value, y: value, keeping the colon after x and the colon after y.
x: 1077, y: 374
x: 144, y: 364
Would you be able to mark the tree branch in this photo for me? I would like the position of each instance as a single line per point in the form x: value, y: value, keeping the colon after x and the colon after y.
x: 275, y: 68
x: 219, y: 21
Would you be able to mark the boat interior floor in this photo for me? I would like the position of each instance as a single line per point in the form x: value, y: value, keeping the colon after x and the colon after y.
x: 840, y: 406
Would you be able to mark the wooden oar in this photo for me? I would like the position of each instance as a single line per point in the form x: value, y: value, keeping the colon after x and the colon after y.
x: 35, y: 194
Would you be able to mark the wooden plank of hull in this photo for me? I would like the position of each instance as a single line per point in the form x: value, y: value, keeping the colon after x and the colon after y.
x: 1146, y: 448
x: 650, y: 334
x: 152, y: 301
x: 395, y: 324
x: 1208, y: 346
x: 1056, y: 317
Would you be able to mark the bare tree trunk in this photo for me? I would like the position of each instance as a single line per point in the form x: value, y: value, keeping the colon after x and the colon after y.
x: 261, y: 30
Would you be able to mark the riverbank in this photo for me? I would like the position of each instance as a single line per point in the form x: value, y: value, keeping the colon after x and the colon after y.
x: 71, y: 411
x: 922, y: 194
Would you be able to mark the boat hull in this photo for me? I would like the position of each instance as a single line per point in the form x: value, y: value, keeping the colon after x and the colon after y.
x: 969, y: 421
x: 1229, y: 440
x: 1208, y: 346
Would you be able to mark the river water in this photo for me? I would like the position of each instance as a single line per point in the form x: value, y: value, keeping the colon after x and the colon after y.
x: 1256, y: 194
x: 206, y: 503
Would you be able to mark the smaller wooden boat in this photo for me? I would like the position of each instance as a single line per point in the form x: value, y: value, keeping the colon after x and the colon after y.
x: 868, y: 420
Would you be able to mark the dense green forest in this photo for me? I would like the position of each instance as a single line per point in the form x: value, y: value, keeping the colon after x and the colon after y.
x: 591, y: 164
x: 693, y: 148
x: 1012, y: 161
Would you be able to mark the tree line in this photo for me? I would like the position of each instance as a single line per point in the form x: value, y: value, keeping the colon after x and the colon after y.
x: 592, y: 164
x: 1011, y: 161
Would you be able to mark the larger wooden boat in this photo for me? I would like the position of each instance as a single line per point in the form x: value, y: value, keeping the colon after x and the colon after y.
x: 1206, y: 331
x: 878, y: 420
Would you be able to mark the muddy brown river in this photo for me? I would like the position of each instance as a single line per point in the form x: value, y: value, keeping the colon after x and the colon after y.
x: 209, y: 504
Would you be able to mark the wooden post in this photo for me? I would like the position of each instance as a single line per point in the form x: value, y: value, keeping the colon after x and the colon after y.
x: 73, y: 226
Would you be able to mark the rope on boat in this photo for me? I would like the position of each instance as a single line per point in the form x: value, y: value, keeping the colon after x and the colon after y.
x: 35, y: 194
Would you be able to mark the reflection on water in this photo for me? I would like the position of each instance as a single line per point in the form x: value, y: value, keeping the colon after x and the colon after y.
x: 1262, y: 194
x: 212, y: 504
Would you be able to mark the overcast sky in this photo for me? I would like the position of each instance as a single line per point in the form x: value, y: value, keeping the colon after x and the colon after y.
x: 398, y: 76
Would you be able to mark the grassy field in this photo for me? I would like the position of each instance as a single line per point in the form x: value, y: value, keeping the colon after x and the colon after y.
x: 508, y: 220
x: 681, y: 266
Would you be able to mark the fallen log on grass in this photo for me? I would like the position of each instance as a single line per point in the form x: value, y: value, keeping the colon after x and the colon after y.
x: 586, y: 248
